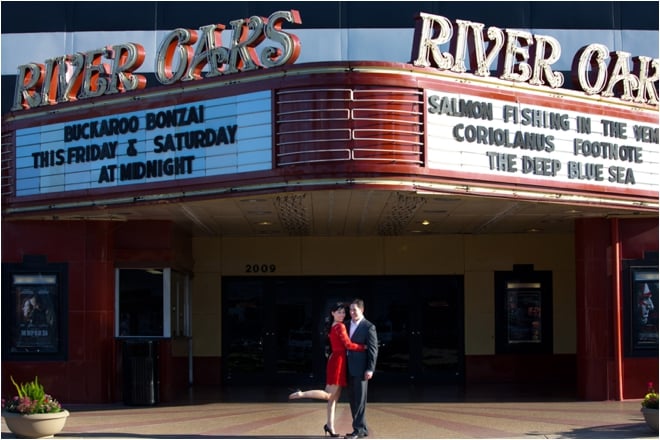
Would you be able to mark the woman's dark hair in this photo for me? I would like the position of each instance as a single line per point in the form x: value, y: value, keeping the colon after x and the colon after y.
x: 337, y: 306
x: 329, y: 320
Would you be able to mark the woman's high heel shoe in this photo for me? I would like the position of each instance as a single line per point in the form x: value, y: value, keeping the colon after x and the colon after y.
x: 329, y: 432
x: 295, y: 395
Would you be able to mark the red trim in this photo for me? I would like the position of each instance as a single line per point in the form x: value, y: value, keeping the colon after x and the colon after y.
x: 326, y: 73
x: 412, y: 178
x: 617, y: 292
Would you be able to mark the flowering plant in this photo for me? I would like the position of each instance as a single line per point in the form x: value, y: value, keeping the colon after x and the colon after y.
x: 651, y: 398
x: 31, y: 399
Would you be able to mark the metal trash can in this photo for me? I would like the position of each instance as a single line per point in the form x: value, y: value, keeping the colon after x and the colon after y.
x: 140, y: 372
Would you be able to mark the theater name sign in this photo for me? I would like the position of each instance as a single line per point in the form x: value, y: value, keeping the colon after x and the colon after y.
x: 184, y: 53
x: 465, y: 132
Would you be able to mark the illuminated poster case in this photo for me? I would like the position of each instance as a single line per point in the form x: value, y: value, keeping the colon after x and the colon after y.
x: 640, y: 291
x: 34, y: 300
x: 523, y: 318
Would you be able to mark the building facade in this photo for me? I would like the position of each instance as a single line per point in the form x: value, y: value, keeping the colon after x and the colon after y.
x: 187, y: 187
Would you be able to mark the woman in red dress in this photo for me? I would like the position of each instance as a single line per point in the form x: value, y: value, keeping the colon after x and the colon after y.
x: 336, y: 368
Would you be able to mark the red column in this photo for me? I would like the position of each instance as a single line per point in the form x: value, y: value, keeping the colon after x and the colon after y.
x: 595, y: 358
x: 617, y: 313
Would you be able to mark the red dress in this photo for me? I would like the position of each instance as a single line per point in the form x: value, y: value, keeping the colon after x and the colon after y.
x: 339, y: 342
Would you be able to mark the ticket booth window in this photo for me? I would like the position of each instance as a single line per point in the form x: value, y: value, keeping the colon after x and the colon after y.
x: 523, y: 320
x: 143, y: 303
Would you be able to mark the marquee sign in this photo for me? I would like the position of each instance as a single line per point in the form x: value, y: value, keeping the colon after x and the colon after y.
x: 512, y: 47
x: 472, y: 134
x: 207, y: 138
x: 182, y: 56
x: 187, y: 55
x: 512, y: 140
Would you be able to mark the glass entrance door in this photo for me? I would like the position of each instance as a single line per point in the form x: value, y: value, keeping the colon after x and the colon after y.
x: 274, y: 327
x: 244, y: 329
x: 293, y: 329
x: 420, y: 328
x: 269, y: 330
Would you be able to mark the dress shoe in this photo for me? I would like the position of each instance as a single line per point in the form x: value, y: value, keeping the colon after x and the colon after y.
x: 356, y: 434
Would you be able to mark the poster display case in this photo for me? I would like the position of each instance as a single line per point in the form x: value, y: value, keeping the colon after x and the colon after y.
x: 34, y: 295
x: 640, y: 291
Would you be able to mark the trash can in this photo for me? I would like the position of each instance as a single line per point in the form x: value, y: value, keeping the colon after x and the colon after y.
x: 140, y: 372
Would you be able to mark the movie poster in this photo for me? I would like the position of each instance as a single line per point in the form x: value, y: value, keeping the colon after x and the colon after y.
x: 644, y: 309
x: 524, y: 316
x: 35, y: 328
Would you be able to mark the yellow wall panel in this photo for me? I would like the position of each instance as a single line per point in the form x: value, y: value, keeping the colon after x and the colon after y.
x: 424, y: 255
x: 207, y: 253
x: 342, y: 256
x: 489, y: 253
x: 261, y: 256
x: 206, y: 314
x: 479, y: 313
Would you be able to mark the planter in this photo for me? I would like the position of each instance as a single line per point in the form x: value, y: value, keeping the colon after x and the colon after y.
x: 651, y: 417
x: 35, y: 425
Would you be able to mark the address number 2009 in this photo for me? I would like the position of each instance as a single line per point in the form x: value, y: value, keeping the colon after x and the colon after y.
x: 260, y: 268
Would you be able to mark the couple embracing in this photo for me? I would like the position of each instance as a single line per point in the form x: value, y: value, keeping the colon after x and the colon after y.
x: 351, y: 363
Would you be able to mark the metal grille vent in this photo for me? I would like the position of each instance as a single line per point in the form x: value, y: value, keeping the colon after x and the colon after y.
x: 321, y: 125
x: 401, y: 211
x: 293, y: 214
x: 7, y: 164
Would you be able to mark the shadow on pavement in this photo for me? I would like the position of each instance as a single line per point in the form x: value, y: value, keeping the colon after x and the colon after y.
x: 631, y: 430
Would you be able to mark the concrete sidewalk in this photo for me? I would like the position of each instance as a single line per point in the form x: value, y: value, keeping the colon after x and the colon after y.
x: 305, y: 419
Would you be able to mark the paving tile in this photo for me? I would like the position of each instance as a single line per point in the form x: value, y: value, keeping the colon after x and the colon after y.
x: 402, y: 420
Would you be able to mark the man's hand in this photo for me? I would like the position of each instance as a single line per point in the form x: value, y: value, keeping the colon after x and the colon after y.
x: 368, y: 375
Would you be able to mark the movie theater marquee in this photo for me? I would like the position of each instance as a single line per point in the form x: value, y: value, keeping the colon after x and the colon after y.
x: 472, y: 134
x: 465, y: 133
x: 207, y: 138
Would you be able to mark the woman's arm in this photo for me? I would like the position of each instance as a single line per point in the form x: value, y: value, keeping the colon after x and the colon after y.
x: 343, y: 337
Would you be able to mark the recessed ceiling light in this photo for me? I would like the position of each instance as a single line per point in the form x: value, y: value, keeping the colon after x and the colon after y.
x: 426, y: 222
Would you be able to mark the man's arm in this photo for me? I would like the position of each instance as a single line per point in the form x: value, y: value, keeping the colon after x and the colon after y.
x: 372, y: 352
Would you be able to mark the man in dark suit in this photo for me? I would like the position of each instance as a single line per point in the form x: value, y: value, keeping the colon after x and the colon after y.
x: 361, y: 366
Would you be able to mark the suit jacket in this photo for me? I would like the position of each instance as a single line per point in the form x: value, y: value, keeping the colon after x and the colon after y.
x: 361, y: 361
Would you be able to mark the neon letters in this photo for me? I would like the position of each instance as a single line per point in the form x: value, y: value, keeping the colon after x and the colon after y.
x: 182, y: 56
x: 511, y: 48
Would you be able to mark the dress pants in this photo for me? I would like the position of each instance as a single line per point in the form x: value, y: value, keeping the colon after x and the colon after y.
x: 358, y: 400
